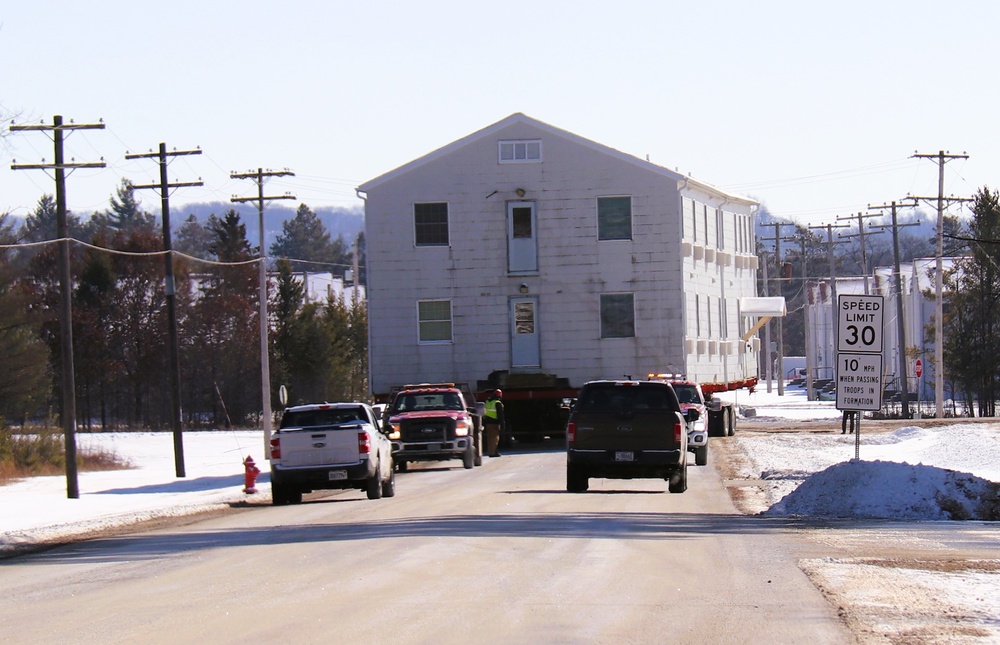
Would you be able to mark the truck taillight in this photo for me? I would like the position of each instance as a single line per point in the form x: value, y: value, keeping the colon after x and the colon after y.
x: 275, y: 448
x: 364, y: 443
x: 678, y: 432
x: 571, y: 431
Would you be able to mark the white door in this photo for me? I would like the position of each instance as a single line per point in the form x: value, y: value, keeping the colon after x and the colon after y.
x: 522, y: 242
x: 524, y: 332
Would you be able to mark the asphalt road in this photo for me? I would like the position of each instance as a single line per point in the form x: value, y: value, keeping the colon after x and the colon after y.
x: 498, y: 554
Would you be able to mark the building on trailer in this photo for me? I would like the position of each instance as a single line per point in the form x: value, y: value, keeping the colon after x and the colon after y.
x: 526, y: 254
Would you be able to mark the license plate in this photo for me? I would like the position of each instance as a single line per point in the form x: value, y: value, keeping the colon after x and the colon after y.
x: 337, y: 475
x: 624, y: 455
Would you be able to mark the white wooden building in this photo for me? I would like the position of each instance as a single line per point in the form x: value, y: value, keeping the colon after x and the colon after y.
x: 526, y: 248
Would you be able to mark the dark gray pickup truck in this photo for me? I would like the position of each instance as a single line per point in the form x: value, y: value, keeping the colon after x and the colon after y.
x: 626, y: 430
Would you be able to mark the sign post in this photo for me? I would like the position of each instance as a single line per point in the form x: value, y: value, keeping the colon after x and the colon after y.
x: 859, y: 357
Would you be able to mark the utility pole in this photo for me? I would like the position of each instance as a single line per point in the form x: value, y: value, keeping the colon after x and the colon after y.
x: 861, y: 236
x: 65, y: 280
x: 259, y: 177
x: 777, y: 260
x: 806, y: 327
x: 834, y: 331
x: 169, y: 290
x: 900, y: 317
x: 941, y: 158
x: 767, y: 325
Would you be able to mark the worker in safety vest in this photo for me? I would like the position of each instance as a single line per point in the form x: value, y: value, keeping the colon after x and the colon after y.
x: 494, y: 422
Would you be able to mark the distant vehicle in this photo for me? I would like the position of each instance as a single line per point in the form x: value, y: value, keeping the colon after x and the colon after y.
x: 718, y: 416
x: 330, y: 446
x: 434, y: 422
x: 691, y: 399
x: 627, y: 430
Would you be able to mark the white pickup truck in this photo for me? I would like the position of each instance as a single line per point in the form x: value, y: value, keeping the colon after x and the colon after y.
x: 330, y: 445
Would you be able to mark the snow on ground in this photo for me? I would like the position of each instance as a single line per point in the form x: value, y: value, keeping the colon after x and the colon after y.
x: 37, y: 510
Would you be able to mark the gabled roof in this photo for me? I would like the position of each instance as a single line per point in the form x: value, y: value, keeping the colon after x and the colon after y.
x: 519, y: 118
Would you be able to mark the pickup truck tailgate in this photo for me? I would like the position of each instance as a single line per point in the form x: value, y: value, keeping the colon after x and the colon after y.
x: 319, y: 447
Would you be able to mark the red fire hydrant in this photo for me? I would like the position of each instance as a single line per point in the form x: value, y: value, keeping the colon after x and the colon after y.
x: 250, y: 475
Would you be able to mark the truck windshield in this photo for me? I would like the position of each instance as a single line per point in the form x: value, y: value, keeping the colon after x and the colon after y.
x: 429, y: 401
x: 686, y: 393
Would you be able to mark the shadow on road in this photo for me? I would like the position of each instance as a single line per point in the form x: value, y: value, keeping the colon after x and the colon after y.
x: 612, y: 526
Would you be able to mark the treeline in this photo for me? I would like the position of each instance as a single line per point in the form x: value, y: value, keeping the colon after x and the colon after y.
x: 318, y: 350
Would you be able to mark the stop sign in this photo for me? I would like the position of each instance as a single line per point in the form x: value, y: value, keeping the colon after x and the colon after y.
x: 920, y: 368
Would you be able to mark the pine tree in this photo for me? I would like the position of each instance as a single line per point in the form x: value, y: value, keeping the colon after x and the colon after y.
x: 972, y: 316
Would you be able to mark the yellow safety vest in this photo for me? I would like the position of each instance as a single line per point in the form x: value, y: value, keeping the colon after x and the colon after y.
x: 491, y: 410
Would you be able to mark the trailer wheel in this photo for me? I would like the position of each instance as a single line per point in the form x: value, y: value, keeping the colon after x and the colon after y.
x: 731, y: 421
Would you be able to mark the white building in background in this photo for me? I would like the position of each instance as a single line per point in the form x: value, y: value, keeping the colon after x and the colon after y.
x: 326, y: 287
x: 918, y: 286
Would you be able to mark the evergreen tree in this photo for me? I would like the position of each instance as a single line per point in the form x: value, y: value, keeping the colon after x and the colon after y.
x: 42, y: 223
x: 972, y: 315
x: 224, y: 347
x: 24, y: 379
x: 193, y: 238
x: 305, y: 237
x: 126, y: 212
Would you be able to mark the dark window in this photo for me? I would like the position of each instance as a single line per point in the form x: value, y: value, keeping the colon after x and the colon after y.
x: 617, y: 315
x: 521, y: 221
x: 614, y: 218
x: 626, y: 399
x: 431, y: 224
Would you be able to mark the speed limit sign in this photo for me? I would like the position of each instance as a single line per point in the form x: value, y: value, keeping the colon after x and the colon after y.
x: 860, y: 324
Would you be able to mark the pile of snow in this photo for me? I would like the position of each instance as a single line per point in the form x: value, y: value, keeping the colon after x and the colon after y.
x: 912, y: 473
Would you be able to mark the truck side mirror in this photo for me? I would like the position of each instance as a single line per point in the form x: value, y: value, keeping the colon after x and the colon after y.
x: 692, y: 415
x: 480, y: 409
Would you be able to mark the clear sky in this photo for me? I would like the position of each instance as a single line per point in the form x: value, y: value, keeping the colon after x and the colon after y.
x: 812, y: 108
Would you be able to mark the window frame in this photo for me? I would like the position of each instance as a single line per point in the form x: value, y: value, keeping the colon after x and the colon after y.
x: 514, y: 143
x: 417, y: 226
x: 604, y: 314
x: 601, y: 234
x: 421, y: 322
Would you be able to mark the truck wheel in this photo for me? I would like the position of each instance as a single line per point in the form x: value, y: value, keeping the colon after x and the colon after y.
x: 478, y: 461
x: 717, y: 423
x: 576, y: 480
x: 279, y: 496
x: 401, y: 465
x: 678, y: 481
x: 701, y: 455
x: 389, y: 485
x: 469, y: 457
x: 731, y: 422
x: 282, y: 494
x: 374, y: 484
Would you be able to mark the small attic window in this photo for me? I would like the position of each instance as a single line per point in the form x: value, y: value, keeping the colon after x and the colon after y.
x: 522, y: 151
